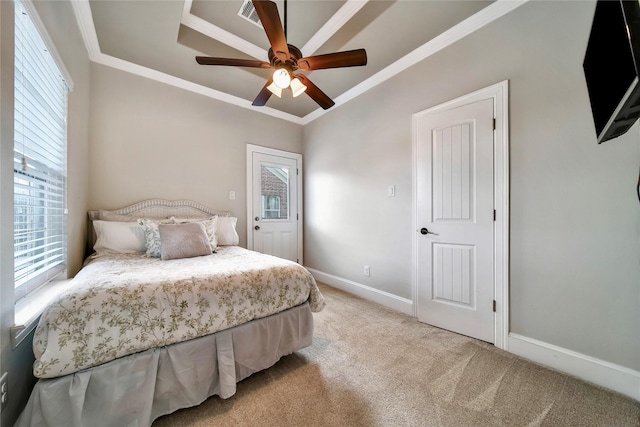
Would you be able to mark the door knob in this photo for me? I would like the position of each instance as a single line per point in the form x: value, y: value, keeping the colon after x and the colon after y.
x: 424, y: 231
x: 257, y: 218
x: 257, y: 227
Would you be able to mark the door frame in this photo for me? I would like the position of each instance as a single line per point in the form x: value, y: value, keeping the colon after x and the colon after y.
x: 251, y: 149
x: 499, y: 92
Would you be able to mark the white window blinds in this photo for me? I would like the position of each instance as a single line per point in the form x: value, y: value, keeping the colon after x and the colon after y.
x: 39, y: 158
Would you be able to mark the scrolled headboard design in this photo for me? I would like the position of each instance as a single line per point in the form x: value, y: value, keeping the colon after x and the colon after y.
x: 160, y: 208
x: 153, y: 208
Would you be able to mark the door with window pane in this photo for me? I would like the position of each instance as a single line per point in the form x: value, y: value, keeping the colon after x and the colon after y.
x: 274, y: 210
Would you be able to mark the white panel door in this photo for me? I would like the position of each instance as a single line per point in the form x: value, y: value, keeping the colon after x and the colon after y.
x: 455, y: 219
x: 275, y: 206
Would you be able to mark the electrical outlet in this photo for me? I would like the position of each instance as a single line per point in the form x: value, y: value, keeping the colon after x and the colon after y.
x: 366, y: 270
x: 4, y: 390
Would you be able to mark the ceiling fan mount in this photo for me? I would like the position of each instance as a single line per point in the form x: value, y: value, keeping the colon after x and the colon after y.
x: 294, y: 57
x: 287, y: 59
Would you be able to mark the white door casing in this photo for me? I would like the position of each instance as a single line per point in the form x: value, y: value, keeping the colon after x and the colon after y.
x: 274, y: 202
x: 460, y: 177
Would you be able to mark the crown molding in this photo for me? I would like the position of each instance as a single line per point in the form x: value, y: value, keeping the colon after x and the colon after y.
x: 484, y: 17
x: 159, y: 76
x: 341, y: 17
x: 213, y: 31
x: 84, y: 18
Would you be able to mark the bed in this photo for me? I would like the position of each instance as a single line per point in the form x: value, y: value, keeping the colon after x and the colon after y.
x: 167, y: 312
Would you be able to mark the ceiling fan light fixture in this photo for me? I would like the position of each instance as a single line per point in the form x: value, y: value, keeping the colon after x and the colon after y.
x: 275, y: 89
x: 297, y: 87
x: 281, y: 78
x: 286, y: 59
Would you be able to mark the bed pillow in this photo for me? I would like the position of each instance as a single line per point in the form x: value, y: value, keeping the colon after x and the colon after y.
x: 210, y: 226
x: 110, y: 216
x: 118, y: 237
x: 152, y: 235
x: 183, y: 240
x: 226, y: 231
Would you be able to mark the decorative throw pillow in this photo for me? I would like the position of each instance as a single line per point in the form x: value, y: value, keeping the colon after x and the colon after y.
x: 210, y: 226
x: 152, y: 235
x: 226, y: 231
x: 183, y: 240
x: 118, y: 237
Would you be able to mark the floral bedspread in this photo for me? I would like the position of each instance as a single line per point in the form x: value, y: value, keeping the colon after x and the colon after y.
x: 122, y: 304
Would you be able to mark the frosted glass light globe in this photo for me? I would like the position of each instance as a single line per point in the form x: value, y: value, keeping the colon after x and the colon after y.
x: 297, y: 88
x: 281, y: 78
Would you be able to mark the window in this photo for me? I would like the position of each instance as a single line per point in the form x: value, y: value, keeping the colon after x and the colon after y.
x: 270, y: 207
x: 39, y: 158
x: 275, y: 192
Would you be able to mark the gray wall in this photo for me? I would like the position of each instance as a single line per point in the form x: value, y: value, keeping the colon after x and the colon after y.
x: 575, y: 219
x: 151, y: 140
x: 575, y: 222
x: 60, y: 23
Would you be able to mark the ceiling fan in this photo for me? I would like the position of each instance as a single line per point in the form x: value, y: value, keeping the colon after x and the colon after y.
x: 286, y: 59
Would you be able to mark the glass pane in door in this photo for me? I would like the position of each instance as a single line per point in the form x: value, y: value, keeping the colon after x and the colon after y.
x: 275, y: 192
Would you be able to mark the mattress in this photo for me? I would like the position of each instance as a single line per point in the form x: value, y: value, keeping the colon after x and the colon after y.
x: 123, y: 304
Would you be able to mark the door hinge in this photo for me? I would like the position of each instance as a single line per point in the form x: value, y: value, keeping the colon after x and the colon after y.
x: 297, y: 217
x: 494, y: 124
x: 298, y: 170
x: 494, y: 214
x: 494, y: 306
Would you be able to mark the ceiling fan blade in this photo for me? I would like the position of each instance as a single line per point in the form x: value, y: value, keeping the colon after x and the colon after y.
x: 206, y: 60
x: 315, y: 93
x: 349, y: 58
x: 270, y: 18
x: 263, y: 96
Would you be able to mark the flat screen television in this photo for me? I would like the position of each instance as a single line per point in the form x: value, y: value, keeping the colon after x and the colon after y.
x: 611, y: 67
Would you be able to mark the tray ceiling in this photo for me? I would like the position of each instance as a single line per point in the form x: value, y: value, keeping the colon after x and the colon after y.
x: 160, y: 39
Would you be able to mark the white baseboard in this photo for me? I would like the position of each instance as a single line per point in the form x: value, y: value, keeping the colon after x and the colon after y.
x: 386, y: 299
x: 614, y: 377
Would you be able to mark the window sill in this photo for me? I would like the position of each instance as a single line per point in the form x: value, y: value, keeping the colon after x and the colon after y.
x: 29, y: 309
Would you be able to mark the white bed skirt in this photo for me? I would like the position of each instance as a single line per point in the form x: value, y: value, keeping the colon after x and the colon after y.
x: 137, y: 389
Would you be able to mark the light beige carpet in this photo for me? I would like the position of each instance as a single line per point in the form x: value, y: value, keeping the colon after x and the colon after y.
x: 370, y: 366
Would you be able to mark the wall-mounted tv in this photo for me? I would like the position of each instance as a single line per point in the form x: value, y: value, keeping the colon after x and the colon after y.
x: 611, y: 67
